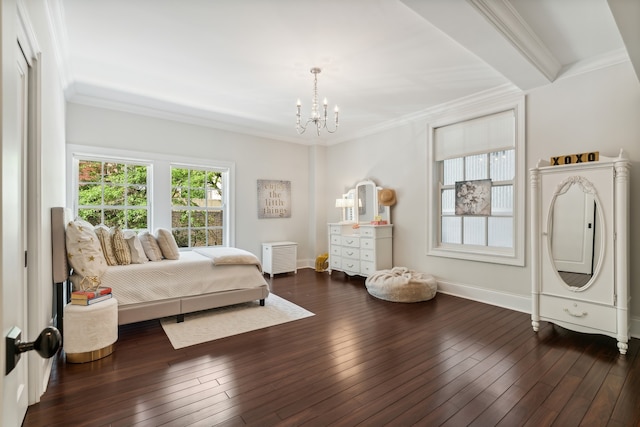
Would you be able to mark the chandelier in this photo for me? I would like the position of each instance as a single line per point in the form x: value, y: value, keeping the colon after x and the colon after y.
x: 319, y: 119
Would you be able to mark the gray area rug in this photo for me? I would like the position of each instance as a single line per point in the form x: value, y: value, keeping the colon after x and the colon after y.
x: 226, y: 321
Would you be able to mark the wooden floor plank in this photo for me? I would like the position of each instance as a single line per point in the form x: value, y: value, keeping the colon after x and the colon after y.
x: 358, y: 361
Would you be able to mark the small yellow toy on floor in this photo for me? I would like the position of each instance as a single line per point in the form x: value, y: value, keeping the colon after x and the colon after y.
x: 321, y: 262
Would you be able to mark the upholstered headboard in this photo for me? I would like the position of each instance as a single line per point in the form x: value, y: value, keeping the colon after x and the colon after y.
x: 60, y: 266
x: 59, y: 219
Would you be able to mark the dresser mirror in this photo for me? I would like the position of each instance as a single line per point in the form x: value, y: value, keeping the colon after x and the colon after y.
x: 576, y: 234
x: 366, y: 206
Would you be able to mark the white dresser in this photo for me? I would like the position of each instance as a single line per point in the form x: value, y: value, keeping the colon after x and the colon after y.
x: 360, y: 251
x: 279, y: 257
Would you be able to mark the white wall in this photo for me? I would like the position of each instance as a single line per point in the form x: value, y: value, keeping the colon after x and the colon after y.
x: 47, y: 190
x: 597, y: 111
x: 254, y: 159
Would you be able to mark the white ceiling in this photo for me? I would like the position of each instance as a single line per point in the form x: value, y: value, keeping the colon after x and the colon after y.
x: 242, y: 64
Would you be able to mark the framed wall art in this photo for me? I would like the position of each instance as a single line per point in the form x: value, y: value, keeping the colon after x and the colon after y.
x: 473, y: 197
x: 274, y: 199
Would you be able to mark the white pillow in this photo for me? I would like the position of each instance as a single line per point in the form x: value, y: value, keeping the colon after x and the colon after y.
x: 135, y: 247
x: 150, y: 246
x: 167, y: 244
x: 85, y: 254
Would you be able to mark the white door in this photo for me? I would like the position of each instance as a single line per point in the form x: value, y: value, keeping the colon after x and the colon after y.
x: 15, y: 392
x: 573, y: 231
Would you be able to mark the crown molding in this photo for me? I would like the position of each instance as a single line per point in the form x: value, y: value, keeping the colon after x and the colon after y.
x: 605, y: 60
x: 504, y: 17
x: 106, y: 98
x: 461, y: 106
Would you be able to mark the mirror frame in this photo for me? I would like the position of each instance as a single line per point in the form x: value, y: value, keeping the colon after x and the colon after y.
x: 378, y: 210
x: 587, y: 187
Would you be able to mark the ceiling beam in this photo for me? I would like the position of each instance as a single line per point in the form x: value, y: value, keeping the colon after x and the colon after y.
x: 627, y: 15
x: 497, y: 34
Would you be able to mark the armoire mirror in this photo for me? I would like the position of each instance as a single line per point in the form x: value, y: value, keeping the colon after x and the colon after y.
x: 576, y: 234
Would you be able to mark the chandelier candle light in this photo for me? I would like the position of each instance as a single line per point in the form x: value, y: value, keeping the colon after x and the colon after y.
x: 320, y: 120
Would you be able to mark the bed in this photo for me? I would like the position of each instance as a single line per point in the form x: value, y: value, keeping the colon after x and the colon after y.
x: 200, y: 279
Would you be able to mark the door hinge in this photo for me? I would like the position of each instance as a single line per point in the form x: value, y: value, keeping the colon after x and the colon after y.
x: 25, y: 259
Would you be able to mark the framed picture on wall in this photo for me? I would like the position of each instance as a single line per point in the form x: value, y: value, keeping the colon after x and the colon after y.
x: 274, y: 199
x: 473, y: 197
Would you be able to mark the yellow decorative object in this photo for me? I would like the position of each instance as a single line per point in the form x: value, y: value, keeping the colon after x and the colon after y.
x: 321, y: 262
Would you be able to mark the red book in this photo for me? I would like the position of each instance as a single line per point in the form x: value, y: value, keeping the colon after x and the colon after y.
x: 87, y: 295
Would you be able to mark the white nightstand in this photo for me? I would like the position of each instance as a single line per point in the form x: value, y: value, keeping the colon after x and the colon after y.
x: 279, y: 257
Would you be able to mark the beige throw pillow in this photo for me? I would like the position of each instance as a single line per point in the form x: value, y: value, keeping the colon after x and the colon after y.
x: 150, y: 246
x: 85, y: 254
x: 135, y: 247
x: 104, y: 236
x: 167, y: 244
x: 120, y: 247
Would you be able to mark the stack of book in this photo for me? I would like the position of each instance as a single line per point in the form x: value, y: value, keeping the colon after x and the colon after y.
x: 90, y: 297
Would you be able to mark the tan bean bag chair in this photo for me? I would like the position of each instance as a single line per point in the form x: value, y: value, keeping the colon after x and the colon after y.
x: 400, y: 284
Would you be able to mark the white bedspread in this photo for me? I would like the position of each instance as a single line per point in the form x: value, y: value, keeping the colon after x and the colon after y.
x: 192, y: 274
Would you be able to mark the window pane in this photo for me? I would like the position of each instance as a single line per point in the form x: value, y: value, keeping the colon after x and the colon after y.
x: 215, y: 237
x: 91, y: 215
x: 474, y: 230
x: 89, y: 194
x: 179, y: 218
x: 197, y: 197
x: 114, y: 172
x: 502, y: 200
x: 503, y: 165
x: 501, y: 232
x: 198, y: 237
x: 114, y: 217
x: 179, y: 177
x: 137, y: 174
x: 198, y: 218
x: 137, y: 219
x: 89, y: 171
x: 182, y: 237
x: 451, y: 229
x: 453, y: 171
x: 215, y: 219
x: 137, y: 196
x: 113, y: 195
x: 475, y: 167
x: 448, y: 202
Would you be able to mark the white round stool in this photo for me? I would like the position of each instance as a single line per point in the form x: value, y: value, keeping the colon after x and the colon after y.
x: 90, y: 330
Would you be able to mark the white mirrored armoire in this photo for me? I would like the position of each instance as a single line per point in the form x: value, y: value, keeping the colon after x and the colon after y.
x: 580, y: 246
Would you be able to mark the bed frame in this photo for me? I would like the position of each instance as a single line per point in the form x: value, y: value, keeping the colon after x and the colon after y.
x: 142, y: 311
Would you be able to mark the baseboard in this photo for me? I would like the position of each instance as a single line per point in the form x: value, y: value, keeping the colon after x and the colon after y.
x: 505, y: 300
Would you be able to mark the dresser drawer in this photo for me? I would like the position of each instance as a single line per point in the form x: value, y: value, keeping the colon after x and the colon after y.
x: 367, y: 268
x: 375, y: 231
x: 367, y: 243
x: 351, y: 266
x: 336, y: 250
x: 367, y: 255
x: 350, y: 241
x: 336, y: 239
x: 336, y: 262
x: 348, y: 252
x: 334, y: 229
x: 579, y: 313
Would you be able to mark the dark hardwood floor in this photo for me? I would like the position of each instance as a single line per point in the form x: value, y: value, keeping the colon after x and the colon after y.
x: 358, y: 361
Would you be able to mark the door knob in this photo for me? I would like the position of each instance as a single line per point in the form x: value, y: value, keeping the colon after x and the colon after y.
x: 46, y: 345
